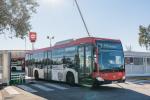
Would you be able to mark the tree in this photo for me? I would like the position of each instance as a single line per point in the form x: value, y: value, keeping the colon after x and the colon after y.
x: 144, y: 36
x: 15, y: 16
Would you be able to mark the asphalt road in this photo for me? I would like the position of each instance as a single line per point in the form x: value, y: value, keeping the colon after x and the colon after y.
x: 60, y: 91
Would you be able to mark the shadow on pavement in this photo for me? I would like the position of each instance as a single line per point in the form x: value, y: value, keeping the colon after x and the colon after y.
x: 99, y: 93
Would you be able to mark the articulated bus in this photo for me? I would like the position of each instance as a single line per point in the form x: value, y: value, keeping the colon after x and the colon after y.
x: 88, y: 60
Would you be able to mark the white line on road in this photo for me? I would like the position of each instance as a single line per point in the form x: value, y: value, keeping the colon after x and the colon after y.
x: 11, y: 90
x: 140, y: 81
x: 55, y: 86
x: 42, y: 87
x: 26, y: 88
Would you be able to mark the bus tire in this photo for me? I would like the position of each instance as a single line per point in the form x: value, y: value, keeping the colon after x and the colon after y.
x: 36, y: 75
x: 70, y: 79
x: 95, y: 84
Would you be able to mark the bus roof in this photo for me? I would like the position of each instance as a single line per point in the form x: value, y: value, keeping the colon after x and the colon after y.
x: 74, y: 42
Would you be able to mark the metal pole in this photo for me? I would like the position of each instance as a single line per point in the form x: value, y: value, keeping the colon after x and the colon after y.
x: 82, y: 18
x: 25, y: 56
x: 32, y: 46
x: 25, y: 44
x: 50, y: 42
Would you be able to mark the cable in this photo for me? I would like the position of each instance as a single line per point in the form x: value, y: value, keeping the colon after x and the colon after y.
x: 82, y: 18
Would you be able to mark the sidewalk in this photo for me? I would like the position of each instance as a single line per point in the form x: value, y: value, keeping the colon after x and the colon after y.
x: 138, y: 78
x: 143, y: 89
x: 20, y: 95
x: 1, y: 98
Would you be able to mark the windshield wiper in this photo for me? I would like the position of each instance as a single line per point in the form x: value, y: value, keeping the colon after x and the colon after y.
x: 118, y: 68
x: 106, y: 70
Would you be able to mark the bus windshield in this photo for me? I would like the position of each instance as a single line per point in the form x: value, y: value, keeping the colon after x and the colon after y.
x: 110, y: 55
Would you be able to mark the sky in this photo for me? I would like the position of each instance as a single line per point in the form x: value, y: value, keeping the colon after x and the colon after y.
x: 116, y: 19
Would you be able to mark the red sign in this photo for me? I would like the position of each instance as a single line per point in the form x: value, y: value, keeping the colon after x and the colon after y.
x: 32, y: 36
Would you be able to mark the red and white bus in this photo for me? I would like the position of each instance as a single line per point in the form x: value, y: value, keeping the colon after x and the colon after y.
x: 88, y: 60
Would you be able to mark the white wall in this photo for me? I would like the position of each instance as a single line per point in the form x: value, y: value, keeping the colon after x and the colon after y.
x: 138, y: 70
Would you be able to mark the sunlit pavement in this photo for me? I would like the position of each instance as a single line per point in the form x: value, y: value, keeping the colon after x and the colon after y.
x: 41, y: 90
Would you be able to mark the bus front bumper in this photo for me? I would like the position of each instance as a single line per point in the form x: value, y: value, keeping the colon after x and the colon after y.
x: 101, y: 81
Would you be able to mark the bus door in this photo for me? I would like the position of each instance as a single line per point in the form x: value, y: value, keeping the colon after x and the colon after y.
x: 31, y: 66
x: 85, y: 62
x: 47, y: 69
x: 47, y: 72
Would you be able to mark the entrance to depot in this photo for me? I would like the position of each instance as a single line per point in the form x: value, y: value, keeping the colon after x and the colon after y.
x: 17, y: 68
x: 12, y: 67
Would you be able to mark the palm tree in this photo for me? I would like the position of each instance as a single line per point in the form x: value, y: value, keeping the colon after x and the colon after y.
x: 144, y: 36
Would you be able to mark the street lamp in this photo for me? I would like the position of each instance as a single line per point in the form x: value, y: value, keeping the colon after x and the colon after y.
x: 50, y: 40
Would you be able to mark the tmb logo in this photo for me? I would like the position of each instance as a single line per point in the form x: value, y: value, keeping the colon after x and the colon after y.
x: 32, y: 36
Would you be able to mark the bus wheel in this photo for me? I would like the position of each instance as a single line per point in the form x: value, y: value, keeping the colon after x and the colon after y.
x: 95, y: 84
x: 70, y: 79
x: 36, y: 75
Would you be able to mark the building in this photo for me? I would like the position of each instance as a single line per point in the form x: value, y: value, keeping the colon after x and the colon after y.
x: 137, y: 63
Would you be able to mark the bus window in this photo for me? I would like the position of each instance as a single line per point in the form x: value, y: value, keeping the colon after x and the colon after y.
x: 45, y: 58
x: 128, y: 60
x: 69, y: 56
x: 138, y: 61
x: 49, y: 58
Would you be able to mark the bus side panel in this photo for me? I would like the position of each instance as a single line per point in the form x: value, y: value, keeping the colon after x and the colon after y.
x: 58, y: 72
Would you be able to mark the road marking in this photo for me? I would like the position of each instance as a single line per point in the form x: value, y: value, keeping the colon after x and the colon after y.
x: 42, y: 87
x: 11, y: 90
x: 140, y: 81
x: 26, y: 88
x: 55, y: 86
x: 86, y: 85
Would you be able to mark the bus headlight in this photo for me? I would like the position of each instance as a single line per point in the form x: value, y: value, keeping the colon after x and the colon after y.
x: 124, y: 77
x: 99, y: 79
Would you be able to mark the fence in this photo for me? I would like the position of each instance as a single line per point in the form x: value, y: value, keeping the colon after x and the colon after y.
x: 18, y: 78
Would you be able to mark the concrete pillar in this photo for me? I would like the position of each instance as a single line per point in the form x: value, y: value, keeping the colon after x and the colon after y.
x: 6, y: 67
x: 1, y: 70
